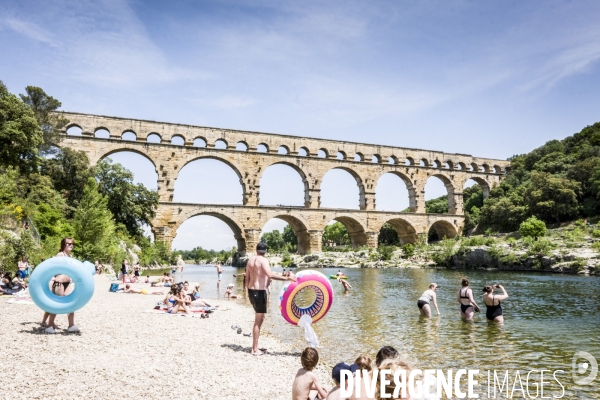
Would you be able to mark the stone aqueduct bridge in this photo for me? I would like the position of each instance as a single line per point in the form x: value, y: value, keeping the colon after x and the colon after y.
x: 365, y: 162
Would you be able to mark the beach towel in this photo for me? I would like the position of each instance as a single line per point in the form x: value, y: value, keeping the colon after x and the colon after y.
x: 21, y: 300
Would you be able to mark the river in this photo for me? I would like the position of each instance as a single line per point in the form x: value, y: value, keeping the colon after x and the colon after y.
x: 547, y: 319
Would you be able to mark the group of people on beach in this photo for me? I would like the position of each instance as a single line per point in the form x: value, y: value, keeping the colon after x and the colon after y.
x: 308, y: 386
x: 468, y: 305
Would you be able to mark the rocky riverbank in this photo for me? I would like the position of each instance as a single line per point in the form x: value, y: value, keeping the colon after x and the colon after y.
x: 569, y: 250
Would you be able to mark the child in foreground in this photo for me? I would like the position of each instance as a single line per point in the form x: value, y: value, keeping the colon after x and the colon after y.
x: 306, y: 383
x: 364, y: 368
x: 334, y: 394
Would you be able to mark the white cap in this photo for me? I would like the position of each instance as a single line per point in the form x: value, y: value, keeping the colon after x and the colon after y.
x: 230, y: 285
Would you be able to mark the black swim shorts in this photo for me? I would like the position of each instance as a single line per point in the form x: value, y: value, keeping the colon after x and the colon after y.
x: 258, y: 299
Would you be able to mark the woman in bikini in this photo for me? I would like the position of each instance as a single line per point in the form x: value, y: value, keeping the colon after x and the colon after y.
x: 427, y: 297
x: 468, y: 306
x: 62, y: 285
x: 492, y: 302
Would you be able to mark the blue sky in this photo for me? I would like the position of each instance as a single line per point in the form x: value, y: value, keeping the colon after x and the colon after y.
x: 485, y: 78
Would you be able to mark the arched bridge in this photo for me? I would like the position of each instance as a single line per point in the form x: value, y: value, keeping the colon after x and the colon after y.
x: 171, y: 146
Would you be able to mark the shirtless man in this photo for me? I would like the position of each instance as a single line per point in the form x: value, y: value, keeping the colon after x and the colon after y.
x: 258, y: 273
x: 219, y: 271
x: 345, y: 284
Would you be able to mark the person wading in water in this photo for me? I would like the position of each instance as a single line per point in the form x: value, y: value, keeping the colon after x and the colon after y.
x: 258, y: 275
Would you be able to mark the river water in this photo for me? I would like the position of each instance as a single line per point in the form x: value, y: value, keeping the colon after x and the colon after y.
x: 547, y: 319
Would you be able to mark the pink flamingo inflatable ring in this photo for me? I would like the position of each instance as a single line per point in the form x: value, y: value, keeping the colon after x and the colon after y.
x: 306, y: 280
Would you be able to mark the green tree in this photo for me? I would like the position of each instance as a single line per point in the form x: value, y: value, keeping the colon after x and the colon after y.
x: 20, y: 134
x: 532, y: 227
x: 69, y: 172
x: 93, y: 224
x: 289, y: 237
x: 551, y: 197
x: 274, y: 240
x: 131, y: 204
x: 437, y: 206
x: 388, y: 235
x: 337, y: 234
x: 51, y: 122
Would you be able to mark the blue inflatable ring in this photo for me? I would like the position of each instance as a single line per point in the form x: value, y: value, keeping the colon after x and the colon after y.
x: 82, y: 274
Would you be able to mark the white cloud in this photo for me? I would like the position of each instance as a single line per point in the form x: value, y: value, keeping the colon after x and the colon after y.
x: 30, y: 30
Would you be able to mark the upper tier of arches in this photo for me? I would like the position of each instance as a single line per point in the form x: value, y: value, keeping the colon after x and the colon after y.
x: 254, y: 142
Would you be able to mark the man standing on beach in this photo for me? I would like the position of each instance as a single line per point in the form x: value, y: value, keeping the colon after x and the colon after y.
x: 258, y: 275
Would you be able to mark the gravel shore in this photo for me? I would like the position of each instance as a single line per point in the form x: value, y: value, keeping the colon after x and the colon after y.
x: 123, y: 352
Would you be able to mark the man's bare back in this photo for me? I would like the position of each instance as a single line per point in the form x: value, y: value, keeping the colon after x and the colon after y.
x: 257, y: 273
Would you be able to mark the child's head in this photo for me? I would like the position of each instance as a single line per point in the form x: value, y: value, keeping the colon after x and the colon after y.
x: 127, y: 286
x: 309, y: 358
x: 336, y: 372
x: 363, y: 362
x: 394, y: 364
x: 384, y: 353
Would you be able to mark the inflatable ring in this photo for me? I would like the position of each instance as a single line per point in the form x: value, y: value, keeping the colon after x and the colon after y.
x: 82, y: 275
x: 309, y: 280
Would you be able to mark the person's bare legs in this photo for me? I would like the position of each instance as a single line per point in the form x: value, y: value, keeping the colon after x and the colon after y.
x: 51, y: 318
x: 71, y: 319
x: 469, y: 314
x: 46, y: 315
x: 426, y: 311
x: 258, y: 320
x: 499, y: 319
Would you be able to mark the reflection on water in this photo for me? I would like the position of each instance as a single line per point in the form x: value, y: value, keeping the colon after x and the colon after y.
x: 547, y: 319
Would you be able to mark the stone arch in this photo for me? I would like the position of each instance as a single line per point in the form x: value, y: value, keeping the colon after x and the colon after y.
x: 235, y: 169
x: 283, y: 149
x: 452, y: 205
x: 461, y: 166
x: 174, y: 140
x: 359, y: 157
x: 406, y: 231
x: 359, y: 182
x: 443, y: 229
x: 410, y: 187
x: 322, y: 153
x: 392, y: 160
x: 129, y: 131
x: 376, y: 159
x: 220, y: 143
x: 485, y: 186
x: 300, y: 172
x: 101, y: 133
x: 242, y: 146
x: 132, y: 150
x: 355, y: 228
x: 199, y: 141
x: 263, y: 149
x: 497, y: 169
x: 151, y: 135
x: 423, y: 162
x: 409, y: 161
x: 236, y: 227
x: 301, y: 229
x: 449, y: 164
x: 474, y: 167
x: 341, y: 155
x: 303, y: 152
x: 486, y: 168
x: 75, y: 130
x: 437, y: 164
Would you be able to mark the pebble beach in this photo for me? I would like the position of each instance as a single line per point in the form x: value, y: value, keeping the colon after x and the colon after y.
x: 126, y: 351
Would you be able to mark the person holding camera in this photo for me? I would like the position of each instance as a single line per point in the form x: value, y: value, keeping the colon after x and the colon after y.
x: 492, y: 302
x: 468, y: 306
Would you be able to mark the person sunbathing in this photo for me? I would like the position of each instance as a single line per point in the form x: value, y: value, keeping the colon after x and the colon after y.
x: 176, y: 302
x: 129, y: 289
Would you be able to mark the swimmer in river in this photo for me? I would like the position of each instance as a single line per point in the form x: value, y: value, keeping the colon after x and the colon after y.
x: 492, y: 302
x: 345, y: 284
x: 468, y: 306
x: 427, y: 297
x: 339, y: 273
